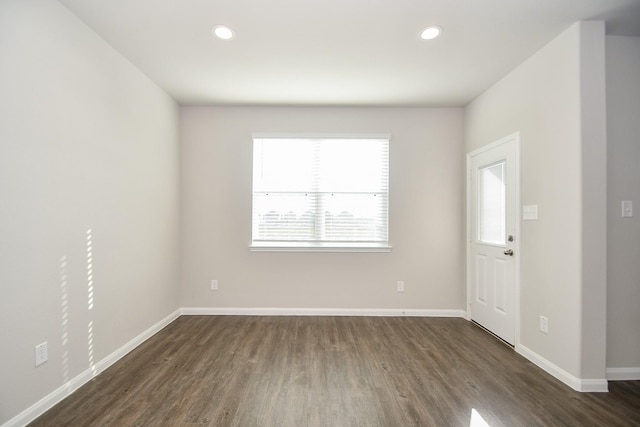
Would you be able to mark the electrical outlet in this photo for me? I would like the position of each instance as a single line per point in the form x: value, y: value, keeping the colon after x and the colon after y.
x: 400, y: 286
x: 42, y: 354
x: 214, y: 285
x: 544, y: 324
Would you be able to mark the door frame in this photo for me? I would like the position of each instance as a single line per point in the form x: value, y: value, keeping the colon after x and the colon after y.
x: 515, y: 139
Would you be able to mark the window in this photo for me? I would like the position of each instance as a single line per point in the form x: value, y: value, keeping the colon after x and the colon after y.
x: 492, y: 213
x: 320, y: 193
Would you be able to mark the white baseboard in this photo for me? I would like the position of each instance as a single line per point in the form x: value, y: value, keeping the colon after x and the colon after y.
x: 47, y: 402
x: 594, y: 386
x: 582, y: 385
x: 623, y: 374
x: 377, y: 312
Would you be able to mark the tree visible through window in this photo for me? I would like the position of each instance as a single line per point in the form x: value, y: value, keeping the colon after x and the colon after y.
x: 321, y: 190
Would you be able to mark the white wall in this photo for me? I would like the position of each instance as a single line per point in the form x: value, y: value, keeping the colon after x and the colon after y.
x: 543, y: 99
x: 426, y: 214
x: 86, y: 143
x: 623, y: 251
x: 593, y: 137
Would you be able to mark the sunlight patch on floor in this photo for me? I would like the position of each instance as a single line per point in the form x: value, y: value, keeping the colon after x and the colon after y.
x: 477, y: 420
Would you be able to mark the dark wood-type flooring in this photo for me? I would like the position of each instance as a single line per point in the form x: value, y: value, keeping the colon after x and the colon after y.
x: 333, y: 371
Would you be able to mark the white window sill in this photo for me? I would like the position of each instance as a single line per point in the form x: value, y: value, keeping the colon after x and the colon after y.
x: 318, y: 247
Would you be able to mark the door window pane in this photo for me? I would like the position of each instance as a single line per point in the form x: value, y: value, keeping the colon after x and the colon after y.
x: 492, y: 204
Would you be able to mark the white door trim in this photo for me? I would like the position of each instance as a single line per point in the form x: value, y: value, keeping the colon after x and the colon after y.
x: 515, y: 137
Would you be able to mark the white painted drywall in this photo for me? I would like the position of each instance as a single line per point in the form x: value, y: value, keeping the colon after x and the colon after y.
x: 593, y: 131
x: 426, y: 214
x: 623, y: 134
x: 86, y: 143
x: 542, y: 99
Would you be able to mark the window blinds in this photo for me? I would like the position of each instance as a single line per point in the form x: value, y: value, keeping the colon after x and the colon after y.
x: 320, y: 189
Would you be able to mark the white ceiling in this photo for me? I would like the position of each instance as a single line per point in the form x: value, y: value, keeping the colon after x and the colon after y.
x: 337, y: 52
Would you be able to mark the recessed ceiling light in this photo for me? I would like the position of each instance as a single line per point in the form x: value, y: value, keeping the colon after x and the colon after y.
x: 430, y: 33
x: 222, y: 32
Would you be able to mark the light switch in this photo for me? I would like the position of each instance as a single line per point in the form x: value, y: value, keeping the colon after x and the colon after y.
x: 530, y: 212
x: 627, y: 209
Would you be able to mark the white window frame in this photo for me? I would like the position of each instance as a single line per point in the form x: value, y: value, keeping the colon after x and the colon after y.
x: 317, y: 246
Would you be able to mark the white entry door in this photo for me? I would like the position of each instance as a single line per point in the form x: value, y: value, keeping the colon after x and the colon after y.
x: 493, y: 241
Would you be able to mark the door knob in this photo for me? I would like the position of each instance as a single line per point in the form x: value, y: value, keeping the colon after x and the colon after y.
x: 509, y: 252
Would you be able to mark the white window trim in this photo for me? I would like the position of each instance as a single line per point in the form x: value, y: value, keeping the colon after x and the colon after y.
x: 318, y: 247
x: 321, y: 135
x: 353, y: 247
